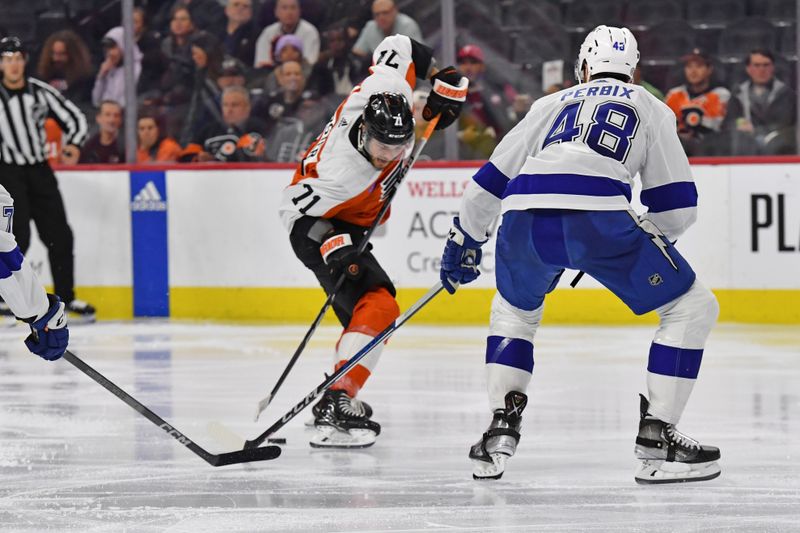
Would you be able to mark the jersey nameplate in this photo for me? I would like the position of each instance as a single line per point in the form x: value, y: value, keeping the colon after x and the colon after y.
x: 606, y: 90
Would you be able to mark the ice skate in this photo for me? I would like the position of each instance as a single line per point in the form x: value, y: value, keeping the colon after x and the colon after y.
x: 80, y: 312
x: 668, y: 456
x: 343, y: 422
x: 499, y: 442
x: 359, y: 406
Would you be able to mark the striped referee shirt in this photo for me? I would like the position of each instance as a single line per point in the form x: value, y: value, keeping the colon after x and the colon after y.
x: 22, y: 116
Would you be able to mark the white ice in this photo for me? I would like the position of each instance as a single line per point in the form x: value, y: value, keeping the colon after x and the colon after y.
x: 75, y: 458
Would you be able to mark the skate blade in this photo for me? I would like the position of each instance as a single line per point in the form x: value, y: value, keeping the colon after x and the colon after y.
x: 659, y: 472
x: 486, y: 470
x: 330, y: 437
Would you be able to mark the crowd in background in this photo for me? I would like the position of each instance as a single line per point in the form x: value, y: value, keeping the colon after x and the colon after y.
x: 234, y: 80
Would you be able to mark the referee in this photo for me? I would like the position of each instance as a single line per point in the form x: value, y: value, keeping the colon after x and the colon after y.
x: 25, y: 103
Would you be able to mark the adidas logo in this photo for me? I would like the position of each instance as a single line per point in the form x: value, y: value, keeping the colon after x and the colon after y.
x: 148, y: 199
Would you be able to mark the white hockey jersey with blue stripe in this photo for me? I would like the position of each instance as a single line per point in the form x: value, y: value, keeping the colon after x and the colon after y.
x: 581, y: 148
x: 19, y: 285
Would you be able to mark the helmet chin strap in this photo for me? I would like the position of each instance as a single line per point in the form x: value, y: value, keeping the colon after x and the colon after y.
x: 362, y: 142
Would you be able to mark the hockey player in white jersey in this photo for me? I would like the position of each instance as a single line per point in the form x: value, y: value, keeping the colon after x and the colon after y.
x: 338, y: 190
x: 562, y: 181
x: 25, y: 296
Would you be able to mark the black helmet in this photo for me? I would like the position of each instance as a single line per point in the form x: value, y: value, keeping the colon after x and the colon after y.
x: 388, y: 118
x: 9, y: 45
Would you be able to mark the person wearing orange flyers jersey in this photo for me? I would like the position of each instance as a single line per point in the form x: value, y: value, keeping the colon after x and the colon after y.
x: 699, y: 105
x: 335, y: 195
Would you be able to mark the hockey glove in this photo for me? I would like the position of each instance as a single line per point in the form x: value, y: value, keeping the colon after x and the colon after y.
x: 341, y: 256
x: 49, y: 335
x: 446, y: 98
x: 461, y: 257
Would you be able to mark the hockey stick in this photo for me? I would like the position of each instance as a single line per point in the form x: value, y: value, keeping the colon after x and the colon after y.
x: 222, y: 459
x: 395, y: 178
x: 330, y: 380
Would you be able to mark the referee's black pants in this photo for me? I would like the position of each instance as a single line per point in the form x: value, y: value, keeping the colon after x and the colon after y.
x: 36, y: 197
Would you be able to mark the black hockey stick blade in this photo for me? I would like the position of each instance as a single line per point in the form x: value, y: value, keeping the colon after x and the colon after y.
x: 264, y: 453
x: 222, y: 459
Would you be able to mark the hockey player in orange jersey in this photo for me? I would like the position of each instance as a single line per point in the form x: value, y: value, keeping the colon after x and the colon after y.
x: 335, y: 195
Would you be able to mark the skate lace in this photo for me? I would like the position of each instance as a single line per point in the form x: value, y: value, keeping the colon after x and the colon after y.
x: 681, y: 439
x: 358, y: 407
x: 346, y: 406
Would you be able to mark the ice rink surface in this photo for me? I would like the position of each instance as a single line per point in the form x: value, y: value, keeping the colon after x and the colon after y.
x: 75, y: 458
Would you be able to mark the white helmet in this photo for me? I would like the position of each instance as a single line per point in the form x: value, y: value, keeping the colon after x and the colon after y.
x: 608, y: 49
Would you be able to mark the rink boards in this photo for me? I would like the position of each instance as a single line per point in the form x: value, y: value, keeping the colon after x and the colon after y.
x: 207, y: 243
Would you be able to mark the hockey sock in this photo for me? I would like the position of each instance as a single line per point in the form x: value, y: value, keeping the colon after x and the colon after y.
x: 677, y: 351
x: 373, y: 313
x: 671, y: 374
x: 509, y: 365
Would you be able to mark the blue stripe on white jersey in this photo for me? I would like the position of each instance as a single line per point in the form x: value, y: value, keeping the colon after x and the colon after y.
x: 10, y: 262
x: 491, y: 179
x: 671, y: 196
x: 574, y: 184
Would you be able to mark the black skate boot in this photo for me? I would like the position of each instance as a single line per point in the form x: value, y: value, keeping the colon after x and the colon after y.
x: 80, y: 312
x: 669, y: 456
x: 499, y: 442
x: 342, y: 423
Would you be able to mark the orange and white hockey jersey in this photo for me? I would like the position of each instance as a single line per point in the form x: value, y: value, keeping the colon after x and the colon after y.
x: 334, y: 180
x: 703, y: 112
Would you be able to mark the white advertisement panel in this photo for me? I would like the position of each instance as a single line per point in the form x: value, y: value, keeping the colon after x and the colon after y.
x: 224, y: 230
x: 98, y: 211
x: 765, y: 225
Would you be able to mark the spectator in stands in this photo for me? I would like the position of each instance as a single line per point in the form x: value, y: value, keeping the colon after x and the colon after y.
x: 154, y: 146
x: 699, y: 106
x: 294, y: 114
x: 207, y: 15
x: 110, y: 81
x: 761, y: 114
x: 106, y: 145
x: 239, y: 138
x: 338, y: 69
x: 387, y: 20
x: 204, y: 106
x: 234, y: 73
x: 484, y: 117
x: 290, y: 97
x: 314, y: 11
x: 177, y: 80
x: 65, y: 64
x: 153, y: 61
x: 287, y: 48
x: 240, y: 36
x: 289, y: 21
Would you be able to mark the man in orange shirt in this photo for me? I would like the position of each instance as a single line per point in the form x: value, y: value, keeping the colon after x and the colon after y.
x: 699, y: 105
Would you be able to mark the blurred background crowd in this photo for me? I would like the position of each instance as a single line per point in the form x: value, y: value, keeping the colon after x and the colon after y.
x: 256, y: 80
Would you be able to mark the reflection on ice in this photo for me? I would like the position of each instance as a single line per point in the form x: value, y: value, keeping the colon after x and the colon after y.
x: 73, y: 457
